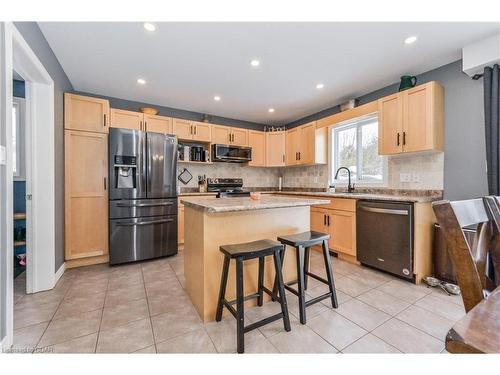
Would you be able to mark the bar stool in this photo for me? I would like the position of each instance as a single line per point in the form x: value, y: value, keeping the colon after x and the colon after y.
x: 245, y: 251
x: 302, y: 243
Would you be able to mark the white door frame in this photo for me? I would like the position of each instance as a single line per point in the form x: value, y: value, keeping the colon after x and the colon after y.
x: 40, y: 215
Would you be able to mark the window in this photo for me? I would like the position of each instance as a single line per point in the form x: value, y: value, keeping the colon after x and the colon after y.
x: 355, y: 146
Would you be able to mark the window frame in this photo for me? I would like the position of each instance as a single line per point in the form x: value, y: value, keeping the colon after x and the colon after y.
x: 356, y: 123
x: 19, y: 104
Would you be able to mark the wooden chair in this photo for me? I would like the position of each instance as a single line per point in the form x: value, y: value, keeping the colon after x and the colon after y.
x: 492, y: 204
x: 469, y: 262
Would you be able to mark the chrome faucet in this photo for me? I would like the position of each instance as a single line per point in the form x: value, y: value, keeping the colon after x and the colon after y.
x: 350, y: 188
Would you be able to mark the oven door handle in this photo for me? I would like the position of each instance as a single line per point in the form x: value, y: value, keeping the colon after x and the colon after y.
x: 144, y: 204
x: 385, y: 211
x: 144, y: 223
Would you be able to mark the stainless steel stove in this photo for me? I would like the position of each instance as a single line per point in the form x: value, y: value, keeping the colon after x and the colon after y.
x: 227, y: 187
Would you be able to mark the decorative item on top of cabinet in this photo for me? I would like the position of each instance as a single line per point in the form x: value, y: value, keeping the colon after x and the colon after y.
x: 306, y: 145
x: 227, y: 135
x: 275, y: 149
x: 257, y: 141
x: 86, y: 195
x: 86, y: 113
x: 412, y: 120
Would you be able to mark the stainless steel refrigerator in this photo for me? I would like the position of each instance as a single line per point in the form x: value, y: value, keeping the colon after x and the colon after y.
x: 142, y: 195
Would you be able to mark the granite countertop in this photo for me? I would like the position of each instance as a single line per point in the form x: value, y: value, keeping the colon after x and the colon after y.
x: 197, y: 194
x: 372, y: 196
x: 215, y: 205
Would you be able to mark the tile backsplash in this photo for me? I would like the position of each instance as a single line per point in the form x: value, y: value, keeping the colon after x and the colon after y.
x: 425, y: 172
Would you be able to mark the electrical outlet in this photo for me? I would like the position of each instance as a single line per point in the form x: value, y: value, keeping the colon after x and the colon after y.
x: 405, y: 177
x: 415, y: 177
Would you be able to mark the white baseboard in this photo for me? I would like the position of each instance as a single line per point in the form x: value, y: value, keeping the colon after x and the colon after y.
x: 59, y: 273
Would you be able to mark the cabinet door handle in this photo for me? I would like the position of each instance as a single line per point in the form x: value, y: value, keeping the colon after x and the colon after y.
x: 145, y: 125
x: 140, y: 125
x: 300, y: 156
x: 104, y: 120
x: 105, y: 183
x: 195, y: 129
x: 328, y: 220
x: 283, y: 158
x: 404, y: 138
x: 190, y: 129
x: 324, y: 220
x: 397, y: 142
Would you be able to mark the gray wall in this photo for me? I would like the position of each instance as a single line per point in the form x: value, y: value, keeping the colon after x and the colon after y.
x: 174, y: 112
x: 465, y: 150
x: 35, y: 39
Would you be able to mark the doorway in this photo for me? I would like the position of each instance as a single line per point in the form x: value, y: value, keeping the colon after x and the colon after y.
x: 16, y: 55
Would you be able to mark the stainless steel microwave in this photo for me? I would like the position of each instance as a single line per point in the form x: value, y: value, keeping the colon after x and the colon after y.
x: 231, y: 154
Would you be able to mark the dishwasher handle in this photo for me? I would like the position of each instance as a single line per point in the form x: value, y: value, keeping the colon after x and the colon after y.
x: 385, y: 211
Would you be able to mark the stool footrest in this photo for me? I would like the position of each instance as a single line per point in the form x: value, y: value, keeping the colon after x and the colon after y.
x: 231, y: 309
x: 246, y: 298
x: 263, y: 322
x: 319, y: 278
x: 318, y: 298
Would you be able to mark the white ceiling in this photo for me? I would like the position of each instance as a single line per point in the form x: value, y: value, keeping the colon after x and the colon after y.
x: 186, y: 64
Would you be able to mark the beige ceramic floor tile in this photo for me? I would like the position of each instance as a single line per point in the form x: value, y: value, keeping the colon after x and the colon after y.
x: 28, y: 316
x: 362, y: 314
x: 85, y: 344
x: 448, y: 310
x: 426, y: 321
x: 72, y: 305
x: 369, y: 344
x: 383, y: 301
x: 352, y: 287
x: 70, y: 327
x: 337, y: 330
x: 301, y: 339
x: 124, y: 295
x: 162, y: 304
x: 28, y: 337
x: 175, y: 323
x: 86, y: 288
x: 192, y: 342
x: 118, y: 315
x: 404, y: 290
x: 406, y: 338
x: 147, y: 350
x: 127, y: 338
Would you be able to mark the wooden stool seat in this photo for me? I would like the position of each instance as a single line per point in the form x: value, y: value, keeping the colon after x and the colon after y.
x: 250, y: 250
x: 305, y: 239
x: 245, y: 251
x: 302, y: 243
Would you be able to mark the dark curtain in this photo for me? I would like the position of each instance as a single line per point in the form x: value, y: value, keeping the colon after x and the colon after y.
x: 491, y: 81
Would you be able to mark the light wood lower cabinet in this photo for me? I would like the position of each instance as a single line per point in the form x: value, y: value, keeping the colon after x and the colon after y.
x: 86, y: 194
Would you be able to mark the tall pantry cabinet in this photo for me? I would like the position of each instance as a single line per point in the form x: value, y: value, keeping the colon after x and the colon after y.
x: 86, y: 124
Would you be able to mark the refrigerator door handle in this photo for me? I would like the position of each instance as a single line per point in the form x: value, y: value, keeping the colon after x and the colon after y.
x: 144, y: 223
x: 145, y: 204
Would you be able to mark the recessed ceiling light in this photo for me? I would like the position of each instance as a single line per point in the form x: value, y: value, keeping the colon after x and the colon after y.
x: 217, y: 98
x: 271, y: 110
x: 410, y: 39
x: 141, y: 81
x: 320, y: 85
x: 149, y: 26
x: 255, y: 62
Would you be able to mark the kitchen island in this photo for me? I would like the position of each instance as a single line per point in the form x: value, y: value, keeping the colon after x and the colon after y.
x: 211, y: 222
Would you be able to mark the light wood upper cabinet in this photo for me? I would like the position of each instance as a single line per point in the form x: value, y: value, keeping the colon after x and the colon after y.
x: 412, y: 120
x: 221, y: 134
x: 86, y: 113
x: 275, y: 149
x: 390, y: 126
x: 158, y: 124
x: 182, y: 128
x: 307, y: 145
x: 121, y: 118
x: 86, y: 194
x: 292, y: 146
x: 257, y: 141
x: 202, y: 132
x: 227, y: 135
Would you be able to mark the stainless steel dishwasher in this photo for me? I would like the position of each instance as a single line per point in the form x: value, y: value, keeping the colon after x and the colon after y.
x: 384, y: 236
